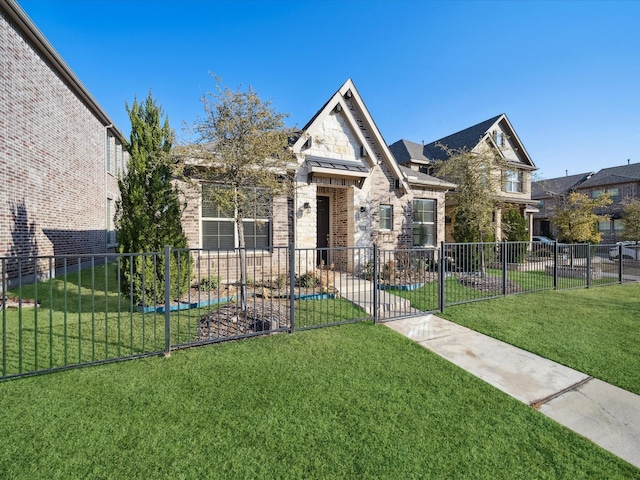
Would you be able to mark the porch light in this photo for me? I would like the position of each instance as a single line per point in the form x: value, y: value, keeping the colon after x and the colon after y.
x: 306, y: 205
x: 363, y: 209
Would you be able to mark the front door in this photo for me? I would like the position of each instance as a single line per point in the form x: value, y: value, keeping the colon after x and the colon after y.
x: 322, y: 240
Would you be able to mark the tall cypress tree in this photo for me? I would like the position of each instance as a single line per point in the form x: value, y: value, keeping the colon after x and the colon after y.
x: 149, y: 210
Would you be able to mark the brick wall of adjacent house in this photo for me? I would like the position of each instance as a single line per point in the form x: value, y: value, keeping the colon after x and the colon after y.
x: 55, y: 188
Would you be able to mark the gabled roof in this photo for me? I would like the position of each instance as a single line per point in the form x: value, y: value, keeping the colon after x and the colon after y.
x: 614, y: 175
x: 557, y: 186
x: 419, y: 178
x: 464, y: 139
x: 349, y: 103
x: 467, y: 139
x: 406, y: 151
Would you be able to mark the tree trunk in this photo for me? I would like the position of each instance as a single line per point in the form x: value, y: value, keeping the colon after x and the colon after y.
x: 243, y: 263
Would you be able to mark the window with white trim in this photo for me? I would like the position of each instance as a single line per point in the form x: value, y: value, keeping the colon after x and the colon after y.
x: 424, y: 223
x: 386, y: 217
x: 219, y: 231
x: 513, y: 181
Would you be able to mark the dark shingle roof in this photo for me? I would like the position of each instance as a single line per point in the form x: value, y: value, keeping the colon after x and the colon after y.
x: 557, y: 186
x: 614, y: 175
x: 464, y: 139
x: 405, y: 151
x: 422, y: 178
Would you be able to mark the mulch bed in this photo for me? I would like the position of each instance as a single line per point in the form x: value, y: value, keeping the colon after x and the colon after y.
x: 230, y: 321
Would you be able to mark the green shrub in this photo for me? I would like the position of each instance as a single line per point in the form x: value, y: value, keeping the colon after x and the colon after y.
x: 209, y: 283
x: 308, y: 280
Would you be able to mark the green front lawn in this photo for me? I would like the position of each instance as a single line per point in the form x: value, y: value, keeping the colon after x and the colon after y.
x: 595, y: 331
x: 355, y: 401
x: 82, y: 317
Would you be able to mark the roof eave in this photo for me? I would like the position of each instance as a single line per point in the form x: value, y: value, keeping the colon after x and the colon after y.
x: 21, y: 20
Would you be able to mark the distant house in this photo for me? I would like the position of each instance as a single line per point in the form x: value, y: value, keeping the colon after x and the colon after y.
x: 59, y: 151
x: 621, y: 183
x: 496, y: 133
x: 350, y: 192
x: 547, y: 193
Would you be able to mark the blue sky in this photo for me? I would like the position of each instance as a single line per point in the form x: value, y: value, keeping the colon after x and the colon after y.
x: 566, y: 73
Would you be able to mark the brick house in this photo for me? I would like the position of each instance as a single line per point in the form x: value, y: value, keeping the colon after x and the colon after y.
x: 350, y: 191
x: 497, y: 134
x: 59, y: 151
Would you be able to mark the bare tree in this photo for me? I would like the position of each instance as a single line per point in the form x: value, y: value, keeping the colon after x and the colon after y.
x: 243, y: 153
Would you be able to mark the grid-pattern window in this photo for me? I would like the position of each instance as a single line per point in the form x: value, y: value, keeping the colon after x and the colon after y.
x: 604, y: 226
x: 111, y: 231
x: 614, y: 193
x: 219, y: 231
x: 424, y: 223
x: 513, y: 181
x: 618, y: 226
x: 117, y: 153
x: 386, y: 217
x: 108, y: 153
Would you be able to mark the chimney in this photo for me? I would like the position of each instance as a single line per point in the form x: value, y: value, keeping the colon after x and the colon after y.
x: 628, y: 161
x: 566, y: 173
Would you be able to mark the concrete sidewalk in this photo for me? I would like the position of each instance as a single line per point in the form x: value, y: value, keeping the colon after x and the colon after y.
x: 603, y: 413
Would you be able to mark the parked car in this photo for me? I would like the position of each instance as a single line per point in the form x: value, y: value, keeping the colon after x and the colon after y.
x: 630, y: 251
x: 545, y: 240
x: 541, y: 246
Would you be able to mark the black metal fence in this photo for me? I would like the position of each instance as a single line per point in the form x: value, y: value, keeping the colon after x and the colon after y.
x: 59, y: 312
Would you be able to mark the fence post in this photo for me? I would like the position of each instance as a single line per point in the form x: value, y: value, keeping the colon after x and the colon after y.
x: 441, y: 278
x: 620, y: 263
x: 292, y: 286
x: 375, y: 283
x: 505, y: 245
x: 167, y: 301
x: 555, y: 264
x: 588, y: 265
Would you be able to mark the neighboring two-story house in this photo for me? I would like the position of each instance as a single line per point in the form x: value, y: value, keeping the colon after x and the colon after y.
x: 621, y: 183
x: 59, y: 151
x: 546, y: 193
x: 497, y: 134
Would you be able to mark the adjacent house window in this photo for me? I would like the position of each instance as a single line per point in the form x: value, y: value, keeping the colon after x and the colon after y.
x: 429, y: 170
x: 111, y: 231
x: 386, y: 217
x: 108, y: 153
x: 618, y: 226
x: 614, y: 193
x: 118, y: 158
x: 604, y: 226
x: 424, y: 223
x: 219, y: 231
x: 513, y: 181
x: 499, y: 136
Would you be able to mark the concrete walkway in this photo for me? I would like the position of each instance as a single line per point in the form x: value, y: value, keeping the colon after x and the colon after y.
x: 360, y: 292
x: 603, y: 413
